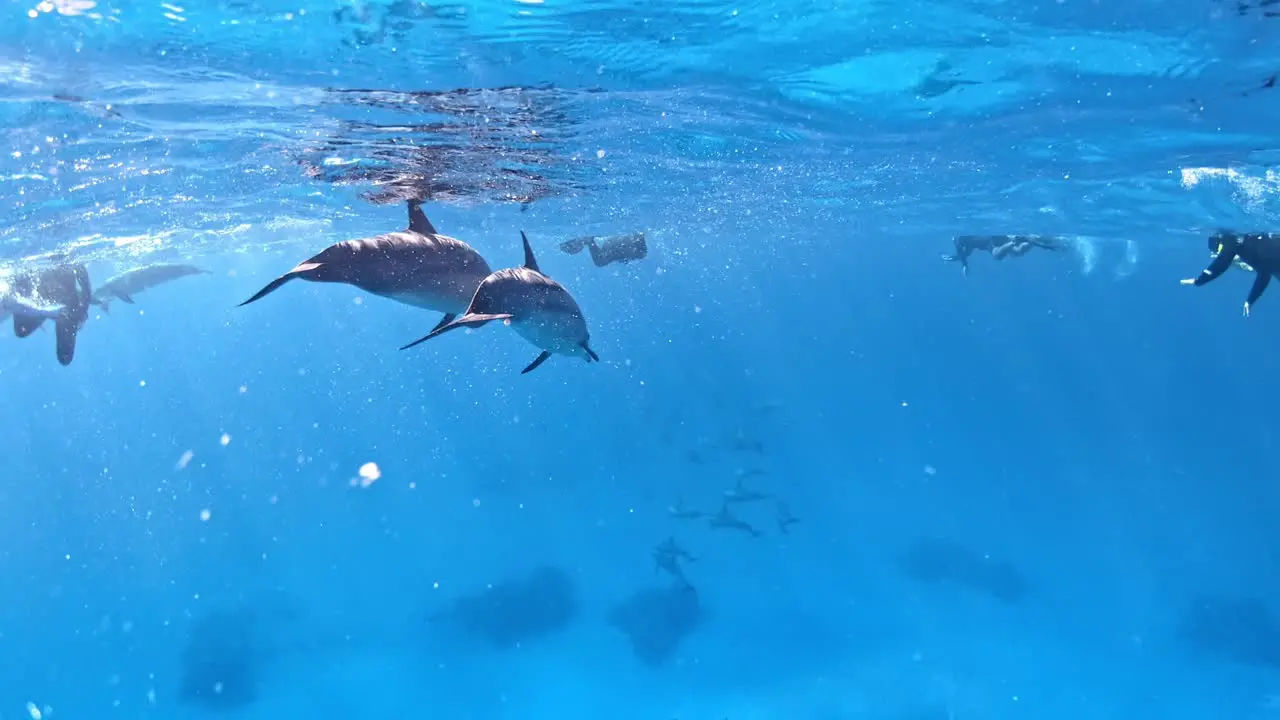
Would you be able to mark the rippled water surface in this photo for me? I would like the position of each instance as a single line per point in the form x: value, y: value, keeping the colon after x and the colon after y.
x: 237, y: 124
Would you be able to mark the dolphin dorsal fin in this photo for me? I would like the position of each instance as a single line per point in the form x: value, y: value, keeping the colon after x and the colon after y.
x: 418, y: 221
x: 530, y: 261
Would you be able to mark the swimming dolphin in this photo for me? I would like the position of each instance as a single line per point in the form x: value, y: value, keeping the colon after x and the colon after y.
x: 124, y: 286
x: 740, y: 494
x: 60, y: 293
x: 416, y: 266
x: 726, y: 519
x: 537, y: 307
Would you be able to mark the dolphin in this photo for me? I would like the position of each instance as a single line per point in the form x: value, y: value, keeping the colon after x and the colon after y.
x: 726, y: 519
x: 60, y: 293
x: 740, y: 494
x: 536, y: 307
x: 417, y: 266
x: 124, y: 286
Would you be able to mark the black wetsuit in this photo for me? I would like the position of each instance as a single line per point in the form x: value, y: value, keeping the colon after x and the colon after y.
x: 1260, y: 250
x: 67, y: 285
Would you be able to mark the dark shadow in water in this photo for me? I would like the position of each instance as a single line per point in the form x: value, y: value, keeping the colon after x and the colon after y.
x: 1242, y: 630
x: 946, y: 562
x: 517, y: 611
x: 656, y: 620
x: 219, y: 664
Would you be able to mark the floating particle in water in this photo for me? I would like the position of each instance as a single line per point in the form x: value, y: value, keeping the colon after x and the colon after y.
x: 185, y: 460
x: 34, y: 711
x: 600, y: 154
x: 369, y: 474
x: 475, y: 502
x: 225, y: 439
x: 205, y: 514
x: 930, y: 470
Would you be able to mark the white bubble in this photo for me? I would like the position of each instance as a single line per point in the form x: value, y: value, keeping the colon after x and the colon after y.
x: 369, y: 474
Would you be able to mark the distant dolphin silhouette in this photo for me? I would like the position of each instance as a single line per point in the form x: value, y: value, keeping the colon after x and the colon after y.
x: 417, y: 267
x: 124, y: 286
x: 537, y: 307
x: 60, y: 293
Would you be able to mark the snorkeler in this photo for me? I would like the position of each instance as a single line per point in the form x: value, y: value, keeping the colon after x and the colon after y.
x: 1259, y: 252
x: 1000, y: 246
x: 610, y: 249
x: 60, y: 293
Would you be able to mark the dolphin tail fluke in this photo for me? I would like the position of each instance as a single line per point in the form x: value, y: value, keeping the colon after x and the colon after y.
x: 102, y: 304
x: 448, y: 318
x: 542, y: 357
x: 67, y: 330
x: 576, y: 245
x: 468, y: 320
x: 301, y: 271
x: 591, y: 354
x: 24, y: 325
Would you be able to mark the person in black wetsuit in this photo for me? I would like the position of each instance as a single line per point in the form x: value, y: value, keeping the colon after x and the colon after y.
x: 1000, y: 246
x: 1259, y: 252
x: 61, y: 293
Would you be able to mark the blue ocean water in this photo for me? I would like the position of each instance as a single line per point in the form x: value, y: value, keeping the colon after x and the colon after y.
x: 1042, y: 490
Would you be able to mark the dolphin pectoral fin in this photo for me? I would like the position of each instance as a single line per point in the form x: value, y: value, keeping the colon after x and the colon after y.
x: 478, y: 319
x: 24, y: 325
x: 591, y: 354
x: 468, y: 320
x: 102, y: 304
x: 418, y: 221
x: 530, y: 261
x: 301, y: 271
x: 542, y: 357
x: 126, y: 298
x: 66, y: 331
x: 448, y: 318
